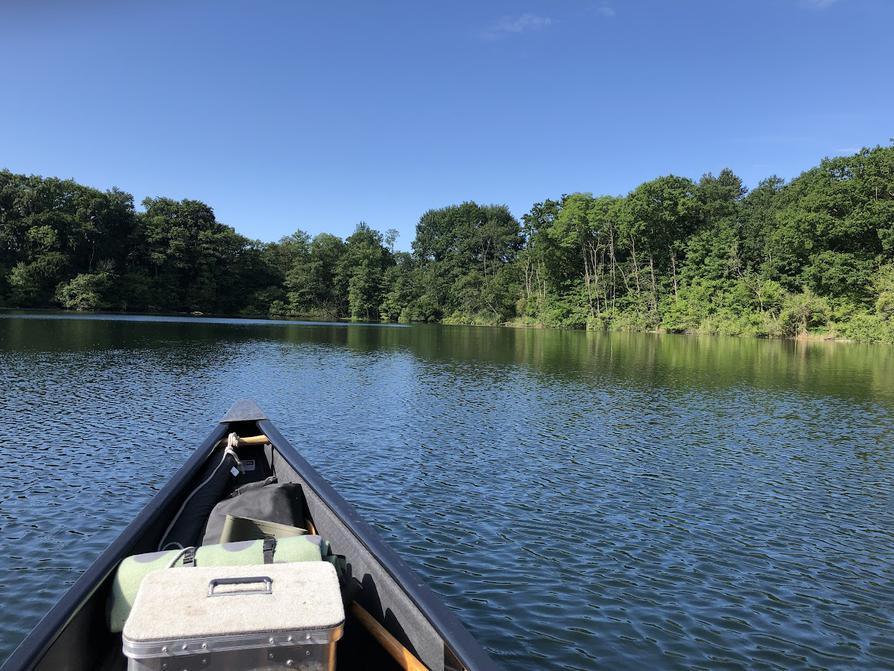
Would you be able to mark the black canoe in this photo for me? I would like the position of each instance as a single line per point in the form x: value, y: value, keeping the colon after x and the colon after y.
x: 74, y: 635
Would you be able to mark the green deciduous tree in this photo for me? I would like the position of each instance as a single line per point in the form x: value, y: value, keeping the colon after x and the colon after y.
x: 673, y: 254
x: 464, y: 248
x: 311, y: 284
x: 362, y: 268
x: 87, y: 291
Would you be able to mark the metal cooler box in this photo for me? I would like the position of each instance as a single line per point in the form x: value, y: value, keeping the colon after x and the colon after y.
x: 245, y: 618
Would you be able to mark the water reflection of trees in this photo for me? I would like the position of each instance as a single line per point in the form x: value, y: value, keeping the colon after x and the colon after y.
x: 845, y: 369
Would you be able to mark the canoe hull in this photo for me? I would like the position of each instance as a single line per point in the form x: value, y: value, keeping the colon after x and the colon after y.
x: 70, y: 635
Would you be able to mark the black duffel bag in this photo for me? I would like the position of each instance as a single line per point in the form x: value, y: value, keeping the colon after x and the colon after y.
x: 266, y: 500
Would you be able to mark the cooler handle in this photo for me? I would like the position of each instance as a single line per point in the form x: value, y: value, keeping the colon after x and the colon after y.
x: 246, y: 580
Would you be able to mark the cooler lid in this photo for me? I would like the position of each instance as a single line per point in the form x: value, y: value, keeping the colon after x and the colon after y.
x: 190, y: 610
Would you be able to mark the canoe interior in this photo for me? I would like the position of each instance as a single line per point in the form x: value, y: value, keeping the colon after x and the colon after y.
x: 75, y: 635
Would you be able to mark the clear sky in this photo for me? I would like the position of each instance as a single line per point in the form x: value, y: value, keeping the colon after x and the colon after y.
x: 317, y: 115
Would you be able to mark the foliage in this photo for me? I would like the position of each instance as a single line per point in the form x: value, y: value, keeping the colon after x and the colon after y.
x: 87, y: 291
x: 801, y: 312
x: 311, y: 280
x: 465, y: 255
x: 362, y: 269
x: 814, y: 256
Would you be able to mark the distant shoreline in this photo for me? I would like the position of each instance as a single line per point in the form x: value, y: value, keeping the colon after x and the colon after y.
x: 817, y: 337
x: 812, y: 258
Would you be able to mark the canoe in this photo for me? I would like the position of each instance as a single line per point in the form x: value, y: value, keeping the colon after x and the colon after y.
x: 394, y: 621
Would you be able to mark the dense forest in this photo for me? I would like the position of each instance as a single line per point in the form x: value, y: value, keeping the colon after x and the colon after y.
x: 815, y: 255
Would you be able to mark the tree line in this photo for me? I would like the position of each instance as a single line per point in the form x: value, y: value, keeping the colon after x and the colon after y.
x: 708, y: 256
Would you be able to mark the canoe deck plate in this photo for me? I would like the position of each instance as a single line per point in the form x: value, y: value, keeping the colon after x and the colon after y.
x: 244, y: 410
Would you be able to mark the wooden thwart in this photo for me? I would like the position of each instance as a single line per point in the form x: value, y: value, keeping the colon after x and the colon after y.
x: 407, y: 660
x: 253, y: 440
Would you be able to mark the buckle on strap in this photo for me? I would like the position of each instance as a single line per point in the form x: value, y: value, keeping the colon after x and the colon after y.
x: 189, y: 556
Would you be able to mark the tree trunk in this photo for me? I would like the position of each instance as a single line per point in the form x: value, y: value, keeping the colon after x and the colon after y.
x: 639, y: 286
x: 611, y: 247
x: 674, y: 272
x: 587, y: 278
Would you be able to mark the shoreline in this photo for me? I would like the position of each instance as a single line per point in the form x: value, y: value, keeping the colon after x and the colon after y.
x: 808, y: 337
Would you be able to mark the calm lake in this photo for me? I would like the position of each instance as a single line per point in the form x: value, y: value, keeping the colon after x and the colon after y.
x: 580, y: 500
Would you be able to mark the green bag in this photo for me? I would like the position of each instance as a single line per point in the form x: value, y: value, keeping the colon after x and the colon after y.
x: 132, y: 570
x: 247, y: 528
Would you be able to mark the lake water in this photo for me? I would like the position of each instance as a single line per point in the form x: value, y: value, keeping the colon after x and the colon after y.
x: 580, y: 500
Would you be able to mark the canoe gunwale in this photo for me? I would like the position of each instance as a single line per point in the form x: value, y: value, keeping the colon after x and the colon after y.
x: 454, y: 634
x: 37, y: 643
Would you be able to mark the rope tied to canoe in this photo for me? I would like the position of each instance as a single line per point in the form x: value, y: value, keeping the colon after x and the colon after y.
x: 230, y: 444
x: 230, y: 448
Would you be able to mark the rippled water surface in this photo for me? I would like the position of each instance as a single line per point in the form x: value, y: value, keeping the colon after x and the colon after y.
x: 581, y: 501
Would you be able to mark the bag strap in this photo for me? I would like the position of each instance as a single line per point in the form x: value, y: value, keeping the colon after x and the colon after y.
x: 271, y: 480
x: 269, y: 549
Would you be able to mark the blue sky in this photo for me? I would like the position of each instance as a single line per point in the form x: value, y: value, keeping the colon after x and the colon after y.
x: 292, y: 114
